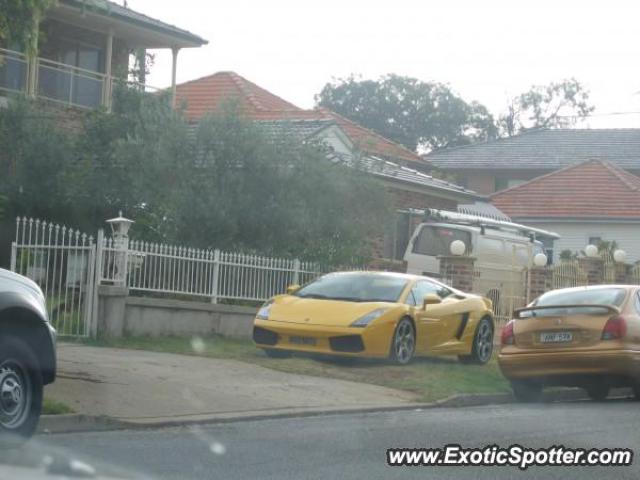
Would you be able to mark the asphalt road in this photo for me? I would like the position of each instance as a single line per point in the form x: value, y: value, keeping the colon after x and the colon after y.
x: 354, y: 446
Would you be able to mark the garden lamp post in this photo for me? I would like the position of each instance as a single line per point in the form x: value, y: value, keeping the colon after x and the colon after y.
x: 120, y: 230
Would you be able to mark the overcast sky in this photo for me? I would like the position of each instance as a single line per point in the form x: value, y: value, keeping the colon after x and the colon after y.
x: 485, y: 50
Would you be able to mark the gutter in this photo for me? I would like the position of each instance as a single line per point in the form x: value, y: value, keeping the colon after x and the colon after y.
x: 165, y: 28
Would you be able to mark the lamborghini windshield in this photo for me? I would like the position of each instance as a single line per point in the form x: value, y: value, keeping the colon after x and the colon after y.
x: 355, y: 287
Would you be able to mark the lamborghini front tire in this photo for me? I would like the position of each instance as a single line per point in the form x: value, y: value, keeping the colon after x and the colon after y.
x: 403, y: 344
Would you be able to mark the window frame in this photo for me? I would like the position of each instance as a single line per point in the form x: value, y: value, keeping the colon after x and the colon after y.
x: 411, y: 297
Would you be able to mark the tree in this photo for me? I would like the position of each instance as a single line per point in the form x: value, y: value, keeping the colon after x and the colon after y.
x: 226, y: 184
x: 556, y: 105
x: 266, y: 192
x: 20, y: 22
x: 419, y: 115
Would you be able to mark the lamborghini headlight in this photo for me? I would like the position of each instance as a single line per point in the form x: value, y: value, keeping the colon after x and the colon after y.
x: 263, y: 313
x: 369, y: 317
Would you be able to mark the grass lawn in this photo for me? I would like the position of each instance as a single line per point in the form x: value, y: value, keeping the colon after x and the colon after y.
x: 431, y: 378
x: 53, y: 407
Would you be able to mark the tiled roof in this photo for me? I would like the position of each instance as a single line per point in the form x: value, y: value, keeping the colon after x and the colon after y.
x: 113, y: 9
x: 208, y: 94
x: 545, y: 149
x: 593, y: 189
x: 369, y: 141
x: 301, y: 129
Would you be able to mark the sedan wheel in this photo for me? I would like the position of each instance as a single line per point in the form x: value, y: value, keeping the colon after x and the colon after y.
x: 404, y: 342
x: 526, y: 391
x: 598, y: 391
x: 636, y: 390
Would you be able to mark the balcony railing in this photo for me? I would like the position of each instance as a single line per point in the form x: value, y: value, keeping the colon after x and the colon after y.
x: 13, y: 71
x: 58, y: 82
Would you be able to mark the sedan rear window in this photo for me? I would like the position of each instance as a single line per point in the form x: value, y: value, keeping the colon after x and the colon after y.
x: 599, y: 296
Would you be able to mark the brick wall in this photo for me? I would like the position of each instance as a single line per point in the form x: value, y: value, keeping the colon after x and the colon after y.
x: 458, y: 271
x: 405, y: 199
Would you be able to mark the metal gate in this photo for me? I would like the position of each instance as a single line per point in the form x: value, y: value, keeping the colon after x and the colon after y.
x: 62, y: 262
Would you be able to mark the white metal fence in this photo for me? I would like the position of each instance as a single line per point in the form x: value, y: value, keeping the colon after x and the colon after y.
x: 61, y: 261
x: 506, y: 287
x: 210, y: 274
x: 568, y: 273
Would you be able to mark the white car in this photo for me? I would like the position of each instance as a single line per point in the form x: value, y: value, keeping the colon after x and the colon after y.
x: 27, y: 356
x: 496, y: 245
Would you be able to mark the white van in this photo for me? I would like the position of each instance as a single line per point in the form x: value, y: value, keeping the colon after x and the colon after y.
x: 494, y: 244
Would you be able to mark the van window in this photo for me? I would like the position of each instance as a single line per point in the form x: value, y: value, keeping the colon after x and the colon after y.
x: 435, y: 241
x: 522, y: 255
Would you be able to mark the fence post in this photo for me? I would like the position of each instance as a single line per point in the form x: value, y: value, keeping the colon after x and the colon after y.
x: 593, y: 267
x: 216, y: 276
x: 539, y: 282
x: 296, y: 272
x: 14, y: 256
x: 97, y: 280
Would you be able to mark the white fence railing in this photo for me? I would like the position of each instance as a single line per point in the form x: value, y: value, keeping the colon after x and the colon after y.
x: 61, y: 261
x: 212, y: 274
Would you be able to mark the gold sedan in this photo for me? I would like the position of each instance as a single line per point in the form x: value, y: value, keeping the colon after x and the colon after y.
x: 587, y: 337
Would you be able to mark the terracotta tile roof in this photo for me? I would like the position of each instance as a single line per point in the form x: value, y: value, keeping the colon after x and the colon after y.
x: 593, y: 189
x: 545, y: 149
x: 207, y: 94
x: 371, y: 142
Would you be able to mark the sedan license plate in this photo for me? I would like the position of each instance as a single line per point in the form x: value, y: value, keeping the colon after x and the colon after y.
x: 302, y: 340
x: 556, y: 337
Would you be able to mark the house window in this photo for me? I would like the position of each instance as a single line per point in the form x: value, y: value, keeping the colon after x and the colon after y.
x: 79, y: 87
x: 504, y: 183
x: 594, y: 241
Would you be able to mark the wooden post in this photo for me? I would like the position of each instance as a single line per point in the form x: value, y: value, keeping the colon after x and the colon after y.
x: 108, y: 62
x: 174, y: 68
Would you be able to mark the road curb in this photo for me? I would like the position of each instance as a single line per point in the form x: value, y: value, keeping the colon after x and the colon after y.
x: 69, y: 423
x: 52, y: 424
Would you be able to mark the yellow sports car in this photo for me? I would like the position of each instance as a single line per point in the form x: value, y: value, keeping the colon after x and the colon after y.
x: 376, y: 314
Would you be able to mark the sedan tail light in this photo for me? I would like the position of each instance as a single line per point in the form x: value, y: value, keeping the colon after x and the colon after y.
x: 616, y: 327
x: 507, y: 336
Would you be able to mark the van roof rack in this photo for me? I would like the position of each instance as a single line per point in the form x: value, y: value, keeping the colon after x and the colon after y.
x: 432, y: 214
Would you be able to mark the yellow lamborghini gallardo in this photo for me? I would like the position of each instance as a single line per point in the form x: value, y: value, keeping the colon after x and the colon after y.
x: 376, y: 314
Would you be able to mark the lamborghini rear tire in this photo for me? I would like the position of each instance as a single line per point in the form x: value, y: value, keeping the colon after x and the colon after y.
x: 482, y: 347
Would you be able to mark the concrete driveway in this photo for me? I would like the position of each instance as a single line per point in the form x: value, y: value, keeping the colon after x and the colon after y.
x: 154, y: 388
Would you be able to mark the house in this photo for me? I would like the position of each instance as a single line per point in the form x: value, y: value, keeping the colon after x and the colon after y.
x: 584, y: 203
x: 397, y: 167
x: 488, y: 167
x: 85, y: 50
